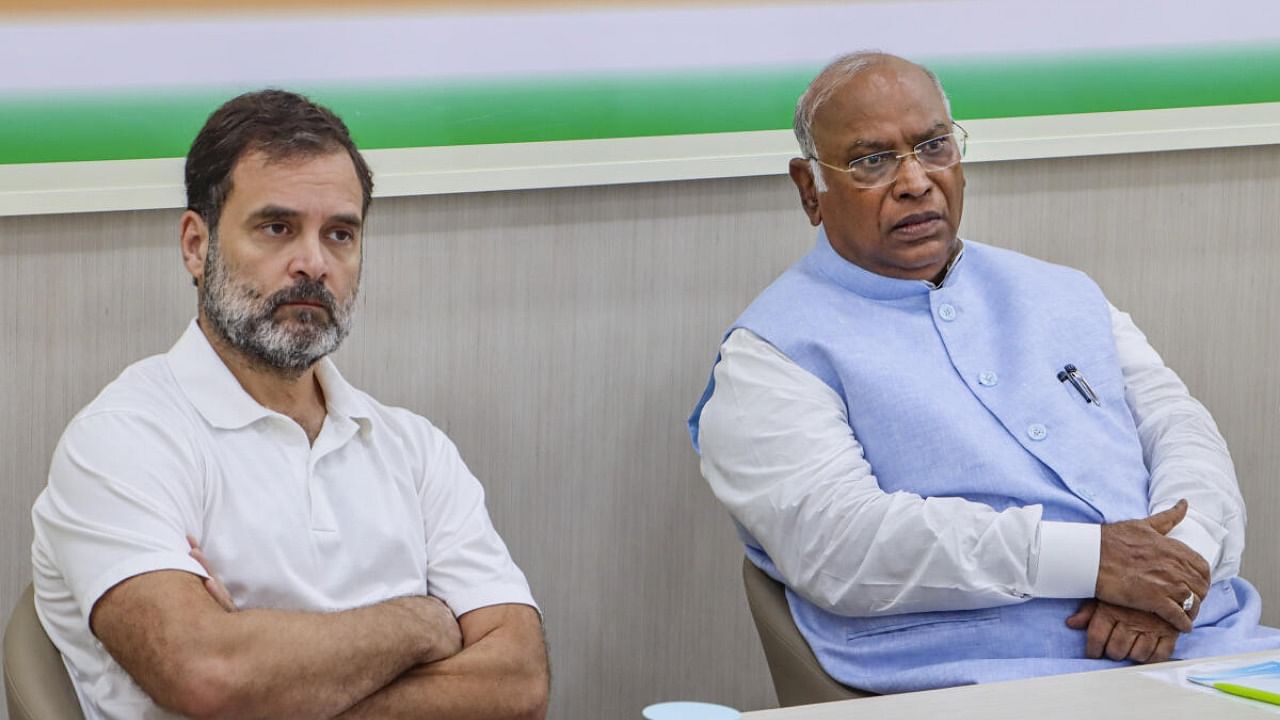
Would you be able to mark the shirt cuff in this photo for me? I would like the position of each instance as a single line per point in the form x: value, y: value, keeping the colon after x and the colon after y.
x: 1195, y: 536
x: 1068, y: 562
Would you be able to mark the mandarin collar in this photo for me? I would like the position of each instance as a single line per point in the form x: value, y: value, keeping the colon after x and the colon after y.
x: 825, y: 260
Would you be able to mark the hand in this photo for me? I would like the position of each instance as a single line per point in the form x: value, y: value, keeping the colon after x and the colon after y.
x: 211, y: 583
x: 1142, y: 569
x: 441, y: 629
x: 1123, y: 633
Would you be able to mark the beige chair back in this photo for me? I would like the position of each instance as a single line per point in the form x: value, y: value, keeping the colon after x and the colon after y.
x: 798, y: 679
x: 35, y: 680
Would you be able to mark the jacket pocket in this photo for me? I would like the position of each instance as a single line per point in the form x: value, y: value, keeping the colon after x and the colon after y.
x: 948, y: 620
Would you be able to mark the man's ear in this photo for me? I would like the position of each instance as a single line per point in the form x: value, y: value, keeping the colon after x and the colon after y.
x: 802, y: 176
x: 194, y: 235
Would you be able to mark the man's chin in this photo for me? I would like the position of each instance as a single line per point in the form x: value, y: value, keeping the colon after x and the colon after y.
x: 942, y: 240
x: 928, y: 251
x: 925, y: 259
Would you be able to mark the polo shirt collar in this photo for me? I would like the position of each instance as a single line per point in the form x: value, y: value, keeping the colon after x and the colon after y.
x: 825, y: 260
x: 218, y: 396
x: 340, y: 398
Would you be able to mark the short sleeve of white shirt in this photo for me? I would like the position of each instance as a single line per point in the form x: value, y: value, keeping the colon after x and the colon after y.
x: 468, y: 565
x: 121, y: 501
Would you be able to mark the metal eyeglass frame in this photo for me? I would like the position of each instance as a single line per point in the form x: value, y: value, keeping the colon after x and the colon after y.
x: 959, y: 133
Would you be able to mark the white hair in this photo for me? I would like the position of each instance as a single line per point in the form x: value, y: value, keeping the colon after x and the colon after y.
x: 832, y: 78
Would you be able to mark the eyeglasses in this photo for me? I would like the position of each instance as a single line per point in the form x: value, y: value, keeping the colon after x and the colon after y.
x: 879, y: 169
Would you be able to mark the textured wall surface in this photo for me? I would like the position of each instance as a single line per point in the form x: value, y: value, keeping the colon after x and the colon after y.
x: 560, y: 337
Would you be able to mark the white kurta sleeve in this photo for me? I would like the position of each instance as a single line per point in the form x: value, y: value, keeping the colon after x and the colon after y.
x: 1184, y: 451
x: 778, y: 451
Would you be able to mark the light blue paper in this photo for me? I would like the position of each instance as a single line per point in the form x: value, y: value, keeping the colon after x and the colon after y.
x: 1259, y: 672
x: 690, y: 711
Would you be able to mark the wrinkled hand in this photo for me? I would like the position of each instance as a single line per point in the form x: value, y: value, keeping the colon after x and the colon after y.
x: 1123, y: 633
x: 211, y: 583
x: 1142, y: 569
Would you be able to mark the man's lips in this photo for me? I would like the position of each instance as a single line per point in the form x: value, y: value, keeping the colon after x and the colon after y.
x: 306, y: 303
x: 918, y: 225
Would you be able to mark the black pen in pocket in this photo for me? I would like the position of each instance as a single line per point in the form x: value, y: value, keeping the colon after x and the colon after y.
x: 1069, y: 373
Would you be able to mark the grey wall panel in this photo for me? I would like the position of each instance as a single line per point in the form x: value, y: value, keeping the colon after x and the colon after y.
x: 560, y: 338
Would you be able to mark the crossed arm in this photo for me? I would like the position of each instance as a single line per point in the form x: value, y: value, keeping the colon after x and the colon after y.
x: 500, y: 673
x: 972, y: 556
x: 405, y: 657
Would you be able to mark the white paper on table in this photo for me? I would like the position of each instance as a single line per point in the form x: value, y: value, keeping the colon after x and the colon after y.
x: 1178, y: 677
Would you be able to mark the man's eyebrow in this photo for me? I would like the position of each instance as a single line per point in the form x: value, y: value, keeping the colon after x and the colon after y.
x: 269, y: 213
x: 273, y: 212
x: 348, y: 219
x: 862, y: 146
x: 865, y: 146
x: 939, y: 128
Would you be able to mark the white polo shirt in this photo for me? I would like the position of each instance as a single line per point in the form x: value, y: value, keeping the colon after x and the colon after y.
x: 381, y: 506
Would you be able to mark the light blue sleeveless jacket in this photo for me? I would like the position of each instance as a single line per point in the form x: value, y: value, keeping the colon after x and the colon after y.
x: 954, y: 392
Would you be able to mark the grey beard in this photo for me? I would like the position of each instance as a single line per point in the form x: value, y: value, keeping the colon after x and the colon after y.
x: 246, y: 321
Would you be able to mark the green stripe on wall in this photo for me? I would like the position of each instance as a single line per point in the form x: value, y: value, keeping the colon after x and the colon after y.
x: 121, y: 126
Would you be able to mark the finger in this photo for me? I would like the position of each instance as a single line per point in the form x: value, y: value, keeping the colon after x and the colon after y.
x: 1143, y: 646
x: 1080, y: 619
x: 1098, y: 635
x: 1163, y: 522
x: 191, y: 540
x: 1195, y: 571
x: 220, y: 594
x: 1164, y: 648
x: 1200, y: 583
x: 212, y: 584
x: 1120, y: 643
x: 199, y: 557
x: 225, y: 598
x: 1201, y: 568
x: 1171, y: 612
x: 1195, y: 608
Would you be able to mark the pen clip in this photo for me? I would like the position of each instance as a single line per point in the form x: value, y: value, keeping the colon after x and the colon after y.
x: 1069, y: 373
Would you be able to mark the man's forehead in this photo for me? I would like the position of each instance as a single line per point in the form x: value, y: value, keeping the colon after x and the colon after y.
x: 287, y: 180
x: 331, y: 160
x: 880, y: 103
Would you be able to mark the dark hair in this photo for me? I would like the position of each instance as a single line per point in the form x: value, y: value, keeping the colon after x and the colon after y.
x: 277, y: 123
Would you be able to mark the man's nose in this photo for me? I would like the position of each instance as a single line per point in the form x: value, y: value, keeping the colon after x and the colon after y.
x: 913, y: 180
x: 308, y: 257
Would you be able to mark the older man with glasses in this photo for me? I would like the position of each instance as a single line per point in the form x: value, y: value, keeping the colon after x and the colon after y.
x: 964, y: 463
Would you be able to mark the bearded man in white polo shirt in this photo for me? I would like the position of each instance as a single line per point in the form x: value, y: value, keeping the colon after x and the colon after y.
x: 231, y: 529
